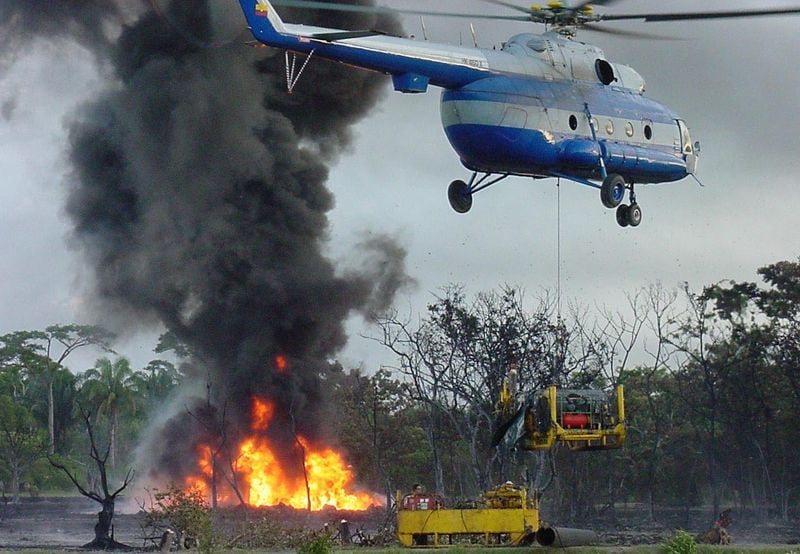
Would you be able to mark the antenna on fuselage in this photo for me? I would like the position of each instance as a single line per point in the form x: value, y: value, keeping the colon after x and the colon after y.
x: 474, y: 38
x: 424, y: 30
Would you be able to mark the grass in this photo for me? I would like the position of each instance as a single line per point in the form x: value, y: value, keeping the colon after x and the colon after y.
x: 649, y: 549
x: 639, y: 549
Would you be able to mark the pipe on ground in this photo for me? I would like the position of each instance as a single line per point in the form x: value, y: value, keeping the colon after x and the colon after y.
x: 561, y: 537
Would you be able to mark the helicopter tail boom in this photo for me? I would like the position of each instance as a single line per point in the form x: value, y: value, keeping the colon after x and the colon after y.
x: 412, y: 64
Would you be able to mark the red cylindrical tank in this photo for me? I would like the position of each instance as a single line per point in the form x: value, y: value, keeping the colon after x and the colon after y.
x: 417, y: 502
x: 575, y: 421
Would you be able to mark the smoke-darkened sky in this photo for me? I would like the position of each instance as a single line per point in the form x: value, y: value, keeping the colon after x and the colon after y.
x: 733, y: 81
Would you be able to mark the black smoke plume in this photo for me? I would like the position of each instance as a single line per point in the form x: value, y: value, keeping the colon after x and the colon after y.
x: 197, y: 193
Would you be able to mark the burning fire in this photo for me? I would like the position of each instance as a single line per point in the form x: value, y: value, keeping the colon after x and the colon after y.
x: 324, y: 480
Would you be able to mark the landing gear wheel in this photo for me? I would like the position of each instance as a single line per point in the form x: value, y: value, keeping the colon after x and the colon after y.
x: 634, y: 215
x: 612, y: 190
x: 622, y: 215
x: 460, y: 196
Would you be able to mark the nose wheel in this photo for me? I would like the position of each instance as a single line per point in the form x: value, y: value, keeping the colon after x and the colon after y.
x: 612, y: 193
x: 629, y: 215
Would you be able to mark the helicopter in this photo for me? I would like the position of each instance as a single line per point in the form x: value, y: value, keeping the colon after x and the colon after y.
x: 542, y: 106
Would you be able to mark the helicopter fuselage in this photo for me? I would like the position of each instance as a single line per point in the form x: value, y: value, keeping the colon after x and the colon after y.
x: 541, y: 105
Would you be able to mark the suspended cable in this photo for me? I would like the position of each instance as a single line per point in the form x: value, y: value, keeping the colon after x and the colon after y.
x: 558, y: 249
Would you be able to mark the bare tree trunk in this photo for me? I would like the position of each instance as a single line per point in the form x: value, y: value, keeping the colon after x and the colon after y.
x: 430, y: 432
x: 102, y: 529
x: 613, y: 487
x: 51, y: 420
x: 112, y: 441
x: 214, y: 491
x: 303, y: 453
x: 15, y: 481
x: 103, y: 540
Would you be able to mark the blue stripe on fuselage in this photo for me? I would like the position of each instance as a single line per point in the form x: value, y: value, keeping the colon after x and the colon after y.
x: 494, y: 149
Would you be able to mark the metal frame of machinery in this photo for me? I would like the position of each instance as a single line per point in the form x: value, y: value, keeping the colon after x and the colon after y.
x: 583, y: 419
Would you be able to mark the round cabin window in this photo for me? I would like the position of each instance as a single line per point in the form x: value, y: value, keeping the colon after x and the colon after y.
x: 573, y: 122
x: 648, y: 132
x: 629, y: 129
x: 610, y: 127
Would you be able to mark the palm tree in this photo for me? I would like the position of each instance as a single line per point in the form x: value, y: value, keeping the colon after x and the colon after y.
x: 156, y: 381
x: 109, y: 387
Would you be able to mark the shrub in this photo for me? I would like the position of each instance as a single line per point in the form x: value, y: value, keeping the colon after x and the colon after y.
x: 681, y: 543
x: 319, y: 545
x: 187, y: 513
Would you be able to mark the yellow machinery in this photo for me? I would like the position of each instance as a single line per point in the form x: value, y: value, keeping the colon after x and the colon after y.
x: 504, y: 516
x: 583, y: 419
x: 508, y: 515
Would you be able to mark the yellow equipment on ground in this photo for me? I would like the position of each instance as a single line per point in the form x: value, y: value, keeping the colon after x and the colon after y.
x: 504, y: 516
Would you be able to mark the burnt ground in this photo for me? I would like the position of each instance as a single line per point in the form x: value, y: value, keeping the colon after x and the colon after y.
x: 66, y: 523
x: 631, y: 525
x: 59, y: 522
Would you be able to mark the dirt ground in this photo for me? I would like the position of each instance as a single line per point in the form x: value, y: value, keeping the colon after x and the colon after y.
x: 633, y: 526
x: 68, y: 522
x: 60, y: 523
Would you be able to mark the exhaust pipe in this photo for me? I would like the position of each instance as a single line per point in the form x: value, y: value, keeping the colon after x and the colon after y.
x: 561, y: 537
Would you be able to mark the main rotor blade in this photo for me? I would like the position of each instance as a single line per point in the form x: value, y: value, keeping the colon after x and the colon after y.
x: 314, y: 5
x: 592, y: 3
x: 509, y: 5
x: 622, y: 33
x: 699, y: 15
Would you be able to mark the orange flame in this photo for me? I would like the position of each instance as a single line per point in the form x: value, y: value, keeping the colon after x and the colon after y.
x: 262, y: 413
x: 281, y: 363
x: 324, y: 480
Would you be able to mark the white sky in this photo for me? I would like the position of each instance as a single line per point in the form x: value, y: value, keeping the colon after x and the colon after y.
x: 734, y: 82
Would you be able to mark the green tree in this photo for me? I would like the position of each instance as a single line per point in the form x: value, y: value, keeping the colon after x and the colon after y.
x: 156, y: 381
x: 64, y: 395
x: 21, y: 357
x: 41, y: 354
x: 21, y: 441
x: 759, y: 391
x: 59, y: 342
x: 109, y: 387
x: 381, y: 429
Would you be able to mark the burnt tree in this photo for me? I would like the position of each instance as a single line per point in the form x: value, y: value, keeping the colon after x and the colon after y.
x: 103, y: 539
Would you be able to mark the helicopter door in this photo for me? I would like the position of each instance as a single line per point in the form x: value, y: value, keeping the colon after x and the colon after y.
x: 688, y: 149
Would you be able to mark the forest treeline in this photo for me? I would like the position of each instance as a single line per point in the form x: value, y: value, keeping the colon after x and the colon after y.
x: 711, y: 377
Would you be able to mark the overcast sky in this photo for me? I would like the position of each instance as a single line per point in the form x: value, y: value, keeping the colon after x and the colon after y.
x: 735, y: 83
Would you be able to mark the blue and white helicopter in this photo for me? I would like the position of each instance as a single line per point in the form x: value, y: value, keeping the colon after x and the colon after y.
x: 544, y: 105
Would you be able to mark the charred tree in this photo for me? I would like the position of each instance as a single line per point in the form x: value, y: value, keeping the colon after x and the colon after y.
x: 103, y: 539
